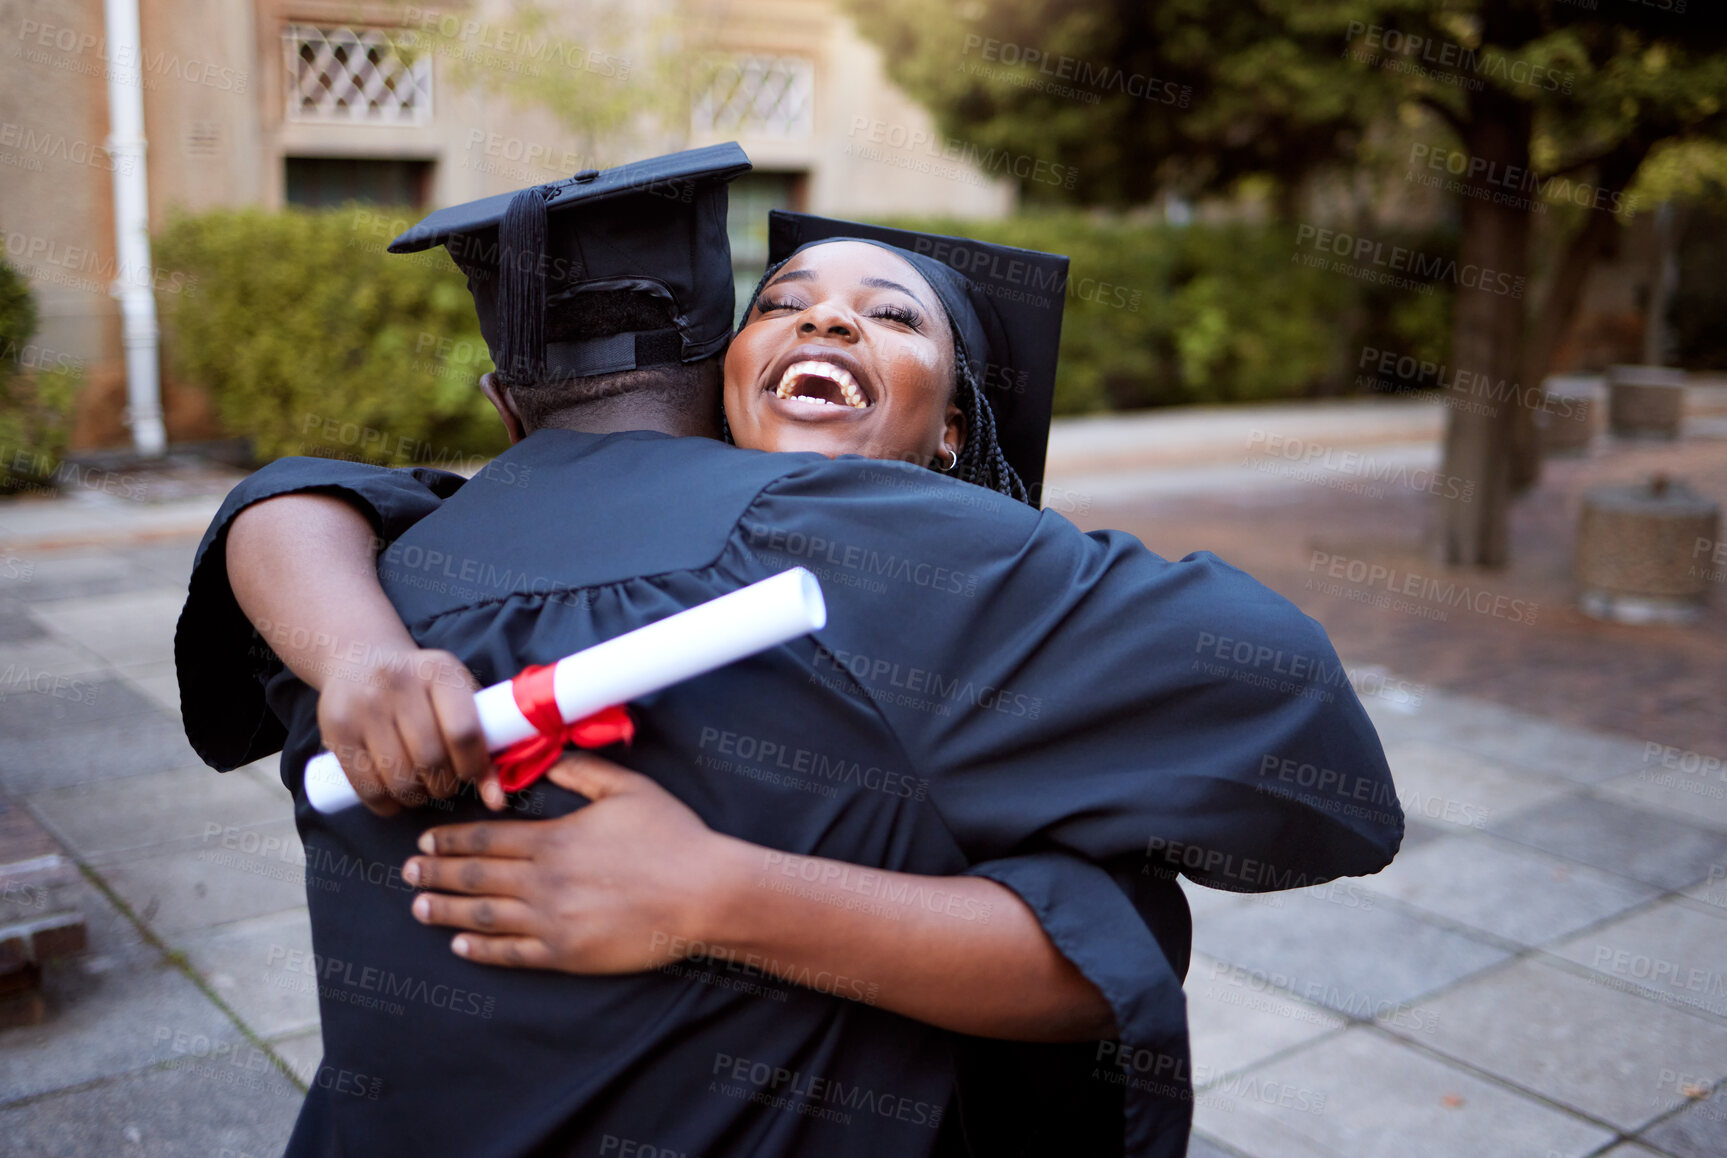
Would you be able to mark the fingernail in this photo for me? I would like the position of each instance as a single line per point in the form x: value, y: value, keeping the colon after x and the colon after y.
x: 422, y: 908
x: 460, y: 945
x: 411, y: 872
x: 426, y: 843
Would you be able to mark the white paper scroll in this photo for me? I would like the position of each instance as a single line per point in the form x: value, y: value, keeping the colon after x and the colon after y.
x: 648, y: 659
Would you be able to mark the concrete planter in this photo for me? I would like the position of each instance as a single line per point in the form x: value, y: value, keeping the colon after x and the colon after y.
x: 1636, y: 558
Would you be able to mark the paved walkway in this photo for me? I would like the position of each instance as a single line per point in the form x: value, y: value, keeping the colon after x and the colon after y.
x: 1542, y: 973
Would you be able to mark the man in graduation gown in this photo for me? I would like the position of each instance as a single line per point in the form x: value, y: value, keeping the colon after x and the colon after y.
x: 1079, y: 721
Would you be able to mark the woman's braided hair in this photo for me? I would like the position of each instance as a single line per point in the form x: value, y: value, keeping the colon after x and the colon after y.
x: 981, y: 460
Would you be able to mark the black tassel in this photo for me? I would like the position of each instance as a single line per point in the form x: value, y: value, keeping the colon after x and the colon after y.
x: 522, y: 286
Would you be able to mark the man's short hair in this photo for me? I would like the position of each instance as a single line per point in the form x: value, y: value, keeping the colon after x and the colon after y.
x: 601, y: 315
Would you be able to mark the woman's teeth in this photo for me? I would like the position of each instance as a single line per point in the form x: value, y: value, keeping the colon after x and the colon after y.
x: 838, y: 375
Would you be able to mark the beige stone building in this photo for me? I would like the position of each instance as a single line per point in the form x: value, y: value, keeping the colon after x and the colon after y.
x: 322, y: 102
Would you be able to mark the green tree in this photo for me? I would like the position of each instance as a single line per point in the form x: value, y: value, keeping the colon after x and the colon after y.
x: 1540, y: 98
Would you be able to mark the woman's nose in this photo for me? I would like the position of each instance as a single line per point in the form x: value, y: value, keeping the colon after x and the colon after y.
x: 823, y: 318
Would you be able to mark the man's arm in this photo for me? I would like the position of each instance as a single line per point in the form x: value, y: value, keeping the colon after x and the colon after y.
x: 401, y: 719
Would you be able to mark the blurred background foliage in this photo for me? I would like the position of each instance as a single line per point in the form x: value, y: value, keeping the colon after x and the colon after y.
x: 37, y: 392
x: 301, y: 317
x: 1163, y: 315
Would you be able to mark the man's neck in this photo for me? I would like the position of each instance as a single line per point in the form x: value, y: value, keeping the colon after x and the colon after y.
x: 686, y: 417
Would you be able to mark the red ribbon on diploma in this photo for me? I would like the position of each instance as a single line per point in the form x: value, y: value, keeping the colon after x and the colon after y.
x: 526, y: 761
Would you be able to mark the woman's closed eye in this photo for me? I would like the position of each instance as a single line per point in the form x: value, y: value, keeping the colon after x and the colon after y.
x: 901, y: 314
x: 766, y: 306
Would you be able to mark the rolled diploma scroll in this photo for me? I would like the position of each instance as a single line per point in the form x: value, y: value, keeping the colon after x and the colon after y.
x: 648, y: 659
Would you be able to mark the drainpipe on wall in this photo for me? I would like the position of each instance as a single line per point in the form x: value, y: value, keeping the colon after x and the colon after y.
x: 133, y: 280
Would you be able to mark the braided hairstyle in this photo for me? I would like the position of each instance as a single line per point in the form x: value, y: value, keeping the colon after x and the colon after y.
x: 981, y: 460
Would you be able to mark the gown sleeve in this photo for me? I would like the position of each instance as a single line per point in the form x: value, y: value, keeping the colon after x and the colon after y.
x: 221, y: 662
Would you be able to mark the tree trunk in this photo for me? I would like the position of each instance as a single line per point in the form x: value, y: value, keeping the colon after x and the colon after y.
x: 1559, y: 307
x: 1484, y: 395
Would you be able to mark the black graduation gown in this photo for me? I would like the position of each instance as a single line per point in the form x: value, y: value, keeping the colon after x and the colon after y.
x: 995, y: 693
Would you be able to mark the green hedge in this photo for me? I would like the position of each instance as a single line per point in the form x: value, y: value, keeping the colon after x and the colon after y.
x: 313, y: 340
x: 37, y: 391
x: 1161, y: 315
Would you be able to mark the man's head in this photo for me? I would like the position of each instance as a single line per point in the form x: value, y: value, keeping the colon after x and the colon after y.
x: 527, y: 404
x: 613, y: 286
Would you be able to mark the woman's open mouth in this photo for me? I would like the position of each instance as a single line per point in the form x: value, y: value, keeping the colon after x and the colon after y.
x: 821, y: 384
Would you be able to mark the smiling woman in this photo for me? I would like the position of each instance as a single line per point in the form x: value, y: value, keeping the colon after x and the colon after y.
x: 848, y: 347
x: 846, y: 350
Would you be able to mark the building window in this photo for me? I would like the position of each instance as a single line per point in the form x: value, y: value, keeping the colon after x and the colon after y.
x: 349, y: 76
x: 322, y: 182
x: 748, y: 201
x: 768, y: 96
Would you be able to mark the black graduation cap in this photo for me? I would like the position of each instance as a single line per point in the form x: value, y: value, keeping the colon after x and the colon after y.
x: 1005, y: 303
x: 656, y: 226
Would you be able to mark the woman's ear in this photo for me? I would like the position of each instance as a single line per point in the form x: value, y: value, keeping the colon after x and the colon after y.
x: 499, y: 396
x: 953, y: 434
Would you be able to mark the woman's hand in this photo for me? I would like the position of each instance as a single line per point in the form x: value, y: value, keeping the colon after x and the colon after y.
x: 609, y: 888
x: 404, y: 727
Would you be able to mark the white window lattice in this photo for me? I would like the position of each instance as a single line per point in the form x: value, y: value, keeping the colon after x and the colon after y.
x: 354, y: 76
x: 757, y: 95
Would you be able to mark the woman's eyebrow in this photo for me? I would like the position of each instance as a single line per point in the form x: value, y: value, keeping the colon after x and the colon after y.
x: 792, y: 275
x: 884, y: 283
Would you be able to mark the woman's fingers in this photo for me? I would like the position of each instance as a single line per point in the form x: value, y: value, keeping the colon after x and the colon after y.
x: 594, y: 776
x: 505, y: 838
x: 510, y: 952
x: 482, y: 914
x: 458, y: 722
x: 477, y: 875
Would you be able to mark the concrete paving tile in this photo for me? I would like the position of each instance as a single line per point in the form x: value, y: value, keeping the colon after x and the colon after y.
x: 195, y: 805
x: 23, y: 662
x: 1352, y: 953
x: 1199, y: 1146
x: 1207, y: 902
x: 157, y: 681
x: 170, y: 562
x: 1632, y: 1150
x: 303, y: 1052
x: 16, y: 622
x: 1698, y: 797
x: 71, y: 573
x: 1444, y: 785
x: 43, y: 709
x: 1698, y: 1131
x: 107, y: 751
x: 1533, y: 744
x: 1583, y: 1044
x: 1712, y: 890
x: 1676, y: 950
x: 114, y: 1009
x: 1619, y: 839
x: 210, y: 1107
x: 235, y: 960
x: 132, y: 626
x: 1233, y: 1025
x: 1359, y: 1095
x: 1504, y: 888
x: 198, y: 888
